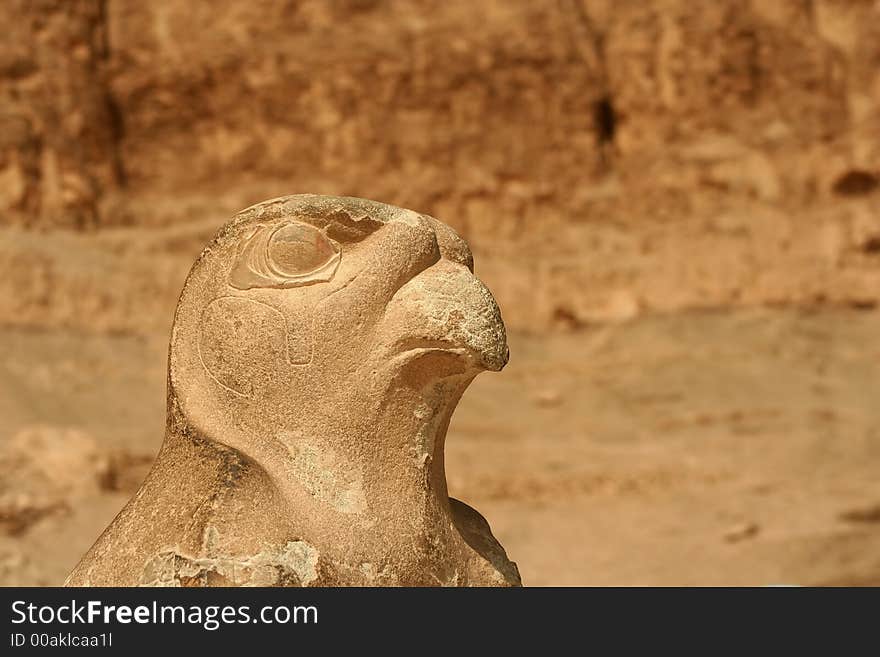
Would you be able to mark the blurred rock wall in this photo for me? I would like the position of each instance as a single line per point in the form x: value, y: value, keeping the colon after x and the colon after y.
x: 604, y: 158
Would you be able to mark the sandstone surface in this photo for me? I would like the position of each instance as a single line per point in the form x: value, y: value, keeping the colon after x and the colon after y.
x: 319, y: 349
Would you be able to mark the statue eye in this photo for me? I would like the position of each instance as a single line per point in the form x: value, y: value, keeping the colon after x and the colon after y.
x: 289, y: 255
x: 297, y: 249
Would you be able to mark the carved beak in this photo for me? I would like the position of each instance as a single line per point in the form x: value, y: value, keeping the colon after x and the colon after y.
x: 447, y: 308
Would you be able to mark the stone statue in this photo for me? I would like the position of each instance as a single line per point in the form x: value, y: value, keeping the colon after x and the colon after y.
x: 319, y: 348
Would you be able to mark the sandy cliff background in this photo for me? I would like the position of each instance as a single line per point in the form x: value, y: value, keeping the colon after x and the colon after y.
x: 676, y: 204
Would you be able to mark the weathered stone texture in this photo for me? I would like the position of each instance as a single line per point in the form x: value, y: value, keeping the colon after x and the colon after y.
x: 603, y: 158
x: 319, y: 349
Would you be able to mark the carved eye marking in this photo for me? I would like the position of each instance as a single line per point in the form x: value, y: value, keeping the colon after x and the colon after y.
x: 289, y: 255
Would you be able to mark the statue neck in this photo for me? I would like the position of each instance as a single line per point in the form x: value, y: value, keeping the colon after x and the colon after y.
x: 352, y: 471
x: 373, y: 460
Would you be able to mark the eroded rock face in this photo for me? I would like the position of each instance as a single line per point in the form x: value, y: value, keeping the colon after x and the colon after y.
x: 319, y: 348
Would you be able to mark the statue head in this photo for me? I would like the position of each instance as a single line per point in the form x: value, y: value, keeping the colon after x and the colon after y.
x: 306, y: 310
